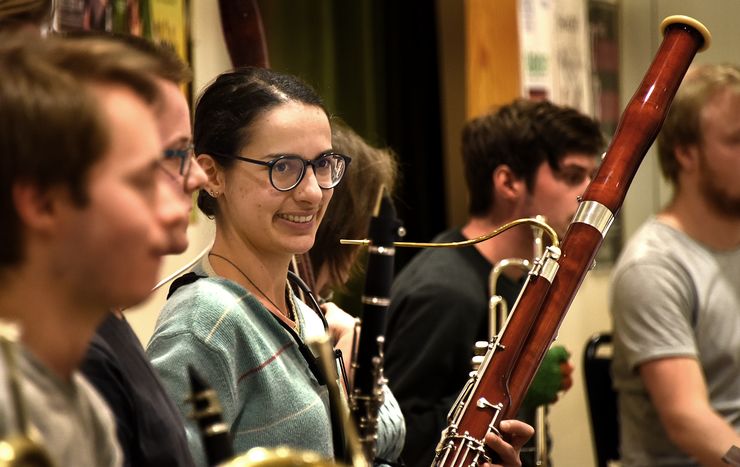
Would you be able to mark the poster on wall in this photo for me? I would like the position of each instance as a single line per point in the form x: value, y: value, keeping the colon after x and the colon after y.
x: 169, y: 25
x: 162, y: 21
x: 119, y: 16
x: 555, y: 53
x: 535, y: 19
x: 571, y: 52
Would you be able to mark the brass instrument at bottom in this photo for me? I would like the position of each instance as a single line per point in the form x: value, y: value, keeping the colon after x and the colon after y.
x: 20, y: 449
x: 279, y: 457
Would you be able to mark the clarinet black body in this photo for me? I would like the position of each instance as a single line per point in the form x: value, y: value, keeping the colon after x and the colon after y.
x: 367, y: 365
x: 217, y: 442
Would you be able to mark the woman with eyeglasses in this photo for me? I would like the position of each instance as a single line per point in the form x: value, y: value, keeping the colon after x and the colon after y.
x: 264, y: 140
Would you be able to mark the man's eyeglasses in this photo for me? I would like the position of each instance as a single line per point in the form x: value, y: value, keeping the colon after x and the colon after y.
x: 177, y: 162
x: 287, y: 172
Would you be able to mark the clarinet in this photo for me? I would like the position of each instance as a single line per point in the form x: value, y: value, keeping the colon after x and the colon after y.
x: 217, y: 442
x: 366, y: 396
x: 498, y: 388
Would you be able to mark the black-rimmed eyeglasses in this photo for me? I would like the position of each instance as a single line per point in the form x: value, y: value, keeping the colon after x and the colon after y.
x: 177, y: 162
x: 287, y: 172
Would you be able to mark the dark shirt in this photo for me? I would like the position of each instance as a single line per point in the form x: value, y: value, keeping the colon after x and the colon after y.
x: 149, y: 426
x: 439, y: 309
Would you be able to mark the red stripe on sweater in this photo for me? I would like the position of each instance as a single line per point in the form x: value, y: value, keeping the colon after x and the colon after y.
x: 265, y: 363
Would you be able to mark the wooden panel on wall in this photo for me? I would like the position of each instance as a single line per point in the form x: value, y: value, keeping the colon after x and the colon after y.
x: 451, y: 17
x: 491, y: 54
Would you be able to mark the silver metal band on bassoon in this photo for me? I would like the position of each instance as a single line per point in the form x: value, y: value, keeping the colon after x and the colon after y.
x: 550, y: 263
x: 547, y: 266
x: 377, y: 301
x: 596, y: 215
x: 382, y: 250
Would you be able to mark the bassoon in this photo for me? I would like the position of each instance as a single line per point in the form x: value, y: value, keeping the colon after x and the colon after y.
x: 496, y: 391
x: 244, y: 33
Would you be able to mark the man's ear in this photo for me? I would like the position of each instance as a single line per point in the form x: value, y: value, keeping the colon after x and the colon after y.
x: 216, y: 181
x: 36, y: 207
x: 687, y: 157
x: 506, y: 185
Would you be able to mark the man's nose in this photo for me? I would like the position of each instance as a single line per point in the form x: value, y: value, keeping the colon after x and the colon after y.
x: 173, y: 203
x: 196, y: 179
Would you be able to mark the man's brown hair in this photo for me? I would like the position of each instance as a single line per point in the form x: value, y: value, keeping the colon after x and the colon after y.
x: 51, y: 129
x: 522, y: 135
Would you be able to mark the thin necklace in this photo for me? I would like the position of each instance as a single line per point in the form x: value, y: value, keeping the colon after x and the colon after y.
x: 291, y: 316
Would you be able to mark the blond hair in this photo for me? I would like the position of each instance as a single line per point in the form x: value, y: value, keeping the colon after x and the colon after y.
x: 682, y: 126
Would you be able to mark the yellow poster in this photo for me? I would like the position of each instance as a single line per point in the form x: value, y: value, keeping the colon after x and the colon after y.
x: 169, y: 24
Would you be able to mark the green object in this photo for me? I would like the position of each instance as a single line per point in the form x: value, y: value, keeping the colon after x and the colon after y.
x: 547, y: 381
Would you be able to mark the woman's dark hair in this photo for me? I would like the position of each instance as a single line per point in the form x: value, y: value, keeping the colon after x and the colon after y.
x: 227, y: 108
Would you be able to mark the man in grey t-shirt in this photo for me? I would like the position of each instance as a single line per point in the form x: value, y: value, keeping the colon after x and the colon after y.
x: 676, y: 290
x: 85, y: 210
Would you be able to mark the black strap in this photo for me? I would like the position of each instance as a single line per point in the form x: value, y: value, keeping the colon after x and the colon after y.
x: 313, y: 303
x: 183, y: 280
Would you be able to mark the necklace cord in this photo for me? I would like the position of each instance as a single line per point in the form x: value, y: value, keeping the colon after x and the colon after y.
x: 290, y: 315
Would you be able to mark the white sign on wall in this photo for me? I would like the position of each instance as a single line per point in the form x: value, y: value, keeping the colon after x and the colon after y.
x: 555, y: 53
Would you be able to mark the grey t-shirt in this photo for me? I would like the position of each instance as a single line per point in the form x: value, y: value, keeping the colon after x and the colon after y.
x: 672, y: 296
x: 72, y: 421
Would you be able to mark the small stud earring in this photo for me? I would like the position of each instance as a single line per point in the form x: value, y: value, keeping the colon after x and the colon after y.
x: 214, y: 194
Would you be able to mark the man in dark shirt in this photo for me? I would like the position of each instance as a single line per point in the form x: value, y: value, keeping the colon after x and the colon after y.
x: 149, y: 426
x: 526, y: 159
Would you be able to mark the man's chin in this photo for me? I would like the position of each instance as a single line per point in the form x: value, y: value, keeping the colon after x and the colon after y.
x: 177, y: 246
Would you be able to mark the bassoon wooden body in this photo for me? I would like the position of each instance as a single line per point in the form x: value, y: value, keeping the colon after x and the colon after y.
x: 244, y: 33
x: 497, y: 390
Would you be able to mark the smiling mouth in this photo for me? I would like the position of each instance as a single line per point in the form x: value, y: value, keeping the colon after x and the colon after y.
x: 296, y: 219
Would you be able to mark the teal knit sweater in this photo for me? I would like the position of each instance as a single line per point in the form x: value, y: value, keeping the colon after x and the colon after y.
x: 267, y: 391
x: 268, y: 394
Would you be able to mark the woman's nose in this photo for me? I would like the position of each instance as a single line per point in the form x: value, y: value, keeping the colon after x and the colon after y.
x: 309, y: 188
